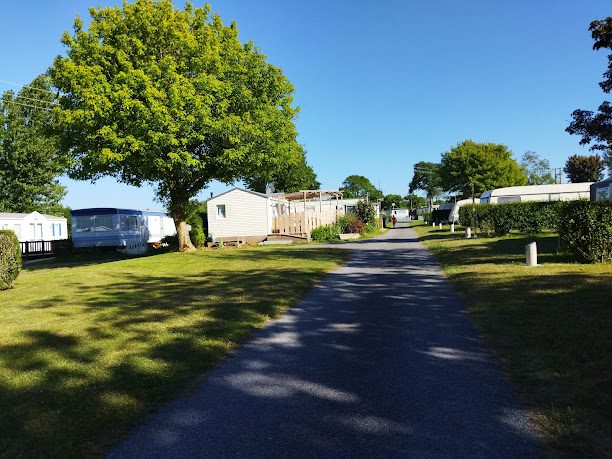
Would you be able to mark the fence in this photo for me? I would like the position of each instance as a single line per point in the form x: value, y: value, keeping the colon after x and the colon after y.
x: 33, y: 249
x: 302, y: 223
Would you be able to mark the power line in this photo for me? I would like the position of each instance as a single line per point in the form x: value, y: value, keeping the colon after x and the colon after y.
x: 19, y: 96
x: 26, y: 86
x: 27, y: 105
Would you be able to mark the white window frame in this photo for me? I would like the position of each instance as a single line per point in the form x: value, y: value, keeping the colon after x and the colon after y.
x: 221, y: 215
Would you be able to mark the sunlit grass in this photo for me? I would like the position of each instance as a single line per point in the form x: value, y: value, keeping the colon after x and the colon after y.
x: 87, y: 350
x: 551, y: 326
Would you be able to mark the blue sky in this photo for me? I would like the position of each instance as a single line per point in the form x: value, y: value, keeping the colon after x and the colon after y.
x: 381, y: 85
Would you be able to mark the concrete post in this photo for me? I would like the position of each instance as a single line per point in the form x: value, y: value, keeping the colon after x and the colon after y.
x: 531, y: 254
x: 468, y: 233
x: 440, y: 226
x: 452, y: 227
x: 433, y: 224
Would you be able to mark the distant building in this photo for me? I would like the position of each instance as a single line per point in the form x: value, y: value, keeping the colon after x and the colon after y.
x: 35, y: 226
x: 555, y: 192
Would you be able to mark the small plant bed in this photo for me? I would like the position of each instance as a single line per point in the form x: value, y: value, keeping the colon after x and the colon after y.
x: 551, y: 326
x: 87, y: 350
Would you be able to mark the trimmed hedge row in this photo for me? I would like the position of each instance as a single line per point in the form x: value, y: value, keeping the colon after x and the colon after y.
x: 10, y: 258
x: 585, y: 228
x: 500, y: 219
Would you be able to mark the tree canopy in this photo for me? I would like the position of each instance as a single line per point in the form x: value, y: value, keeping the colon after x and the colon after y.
x: 484, y: 165
x: 153, y: 94
x: 538, y: 170
x: 583, y: 168
x: 414, y: 200
x: 596, y: 128
x: 358, y: 186
x: 390, y: 199
x: 292, y: 175
x: 426, y: 177
x: 29, y: 157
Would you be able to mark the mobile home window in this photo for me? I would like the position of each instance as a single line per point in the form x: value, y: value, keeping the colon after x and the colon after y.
x: 52, y: 229
x: 220, y: 211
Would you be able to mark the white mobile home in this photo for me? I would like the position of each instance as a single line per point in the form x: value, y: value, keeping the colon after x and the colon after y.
x: 453, y: 208
x: 35, y: 226
x: 555, y: 192
x: 241, y: 214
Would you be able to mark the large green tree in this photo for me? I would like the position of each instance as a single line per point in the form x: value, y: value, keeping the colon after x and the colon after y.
x: 581, y: 169
x: 153, y: 94
x: 537, y: 169
x: 390, y: 199
x: 596, y: 128
x: 292, y: 175
x: 484, y: 166
x: 426, y: 177
x: 414, y: 200
x: 29, y: 157
x: 358, y: 186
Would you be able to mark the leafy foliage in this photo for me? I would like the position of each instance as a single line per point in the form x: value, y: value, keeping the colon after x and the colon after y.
x: 292, y: 175
x: 413, y: 201
x: 525, y: 217
x: 596, y: 128
x: 485, y: 165
x: 358, y: 186
x: 10, y: 258
x: 29, y: 156
x: 154, y: 94
x: 583, y: 168
x: 325, y: 233
x: 350, y: 223
x: 366, y: 212
x: 586, y: 229
x: 538, y: 170
x: 390, y: 199
x: 426, y: 177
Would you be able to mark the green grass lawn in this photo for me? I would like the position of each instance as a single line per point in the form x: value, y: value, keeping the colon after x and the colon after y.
x: 86, y: 350
x: 551, y: 326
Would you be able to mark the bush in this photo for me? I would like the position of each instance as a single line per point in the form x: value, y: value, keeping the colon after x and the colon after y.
x: 427, y: 217
x: 350, y: 223
x: 440, y: 215
x: 365, y: 212
x: 525, y: 217
x: 10, y: 258
x: 325, y: 233
x: 586, y: 229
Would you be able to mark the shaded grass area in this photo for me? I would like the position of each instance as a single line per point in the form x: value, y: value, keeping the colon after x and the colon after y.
x: 551, y: 326
x: 87, y: 350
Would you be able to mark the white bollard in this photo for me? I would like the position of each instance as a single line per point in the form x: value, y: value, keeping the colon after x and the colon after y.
x: 452, y: 227
x: 440, y: 226
x: 531, y: 254
x: 433, y: 224
x: 468, y: 233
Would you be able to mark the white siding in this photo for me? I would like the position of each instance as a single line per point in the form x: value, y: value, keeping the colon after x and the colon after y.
x: 246, y: 214
x: 36, y: 227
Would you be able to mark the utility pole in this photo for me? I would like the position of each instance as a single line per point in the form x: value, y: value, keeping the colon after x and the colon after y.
x: 558, y: 172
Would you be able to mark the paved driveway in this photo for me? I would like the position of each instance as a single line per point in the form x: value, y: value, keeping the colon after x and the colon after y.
x: 378, y: 360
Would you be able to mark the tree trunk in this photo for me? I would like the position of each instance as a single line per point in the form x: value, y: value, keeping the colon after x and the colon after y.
x: 184, y: 241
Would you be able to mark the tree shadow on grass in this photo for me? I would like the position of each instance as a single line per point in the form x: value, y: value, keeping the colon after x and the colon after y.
x: 66, y: 392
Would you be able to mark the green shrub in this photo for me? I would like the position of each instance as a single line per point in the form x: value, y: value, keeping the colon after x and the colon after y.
x: 325, y: 233
x: 586, y: 229
x: 440, y: 215
x: 350, y: 223
x: 10, y: 258
x: 427, y: 217
x: 365, y: 212
x: 525, y: 217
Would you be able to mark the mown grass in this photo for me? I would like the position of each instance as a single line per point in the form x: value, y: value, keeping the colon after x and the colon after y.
x: 87, y: 350
x: 551, y: 327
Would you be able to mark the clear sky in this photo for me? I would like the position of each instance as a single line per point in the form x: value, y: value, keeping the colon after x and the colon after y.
x: 381, y: 84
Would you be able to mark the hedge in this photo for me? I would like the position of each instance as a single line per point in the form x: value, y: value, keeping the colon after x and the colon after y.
x: 325, y: 233
x: 10, y: 258
x: 525, y: 217
x: 585, y: 228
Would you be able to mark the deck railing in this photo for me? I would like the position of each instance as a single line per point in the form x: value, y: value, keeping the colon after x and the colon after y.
x: 34, y: 249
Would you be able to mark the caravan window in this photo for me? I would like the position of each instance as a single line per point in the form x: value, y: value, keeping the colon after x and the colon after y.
x: 508, y: 199
x: 129, y: 223
x: 220, y: 211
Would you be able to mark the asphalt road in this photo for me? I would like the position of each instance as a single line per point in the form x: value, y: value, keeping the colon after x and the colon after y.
x: 379, y: 360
